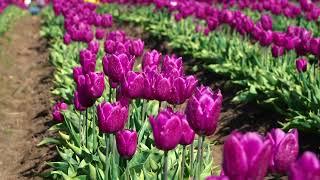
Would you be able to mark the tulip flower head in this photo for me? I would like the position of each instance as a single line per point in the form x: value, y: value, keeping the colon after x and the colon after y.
x: 306, y: 167
x: 126, y: 143
x: 285, y: 149
x: 57, y: 111
x: 246, y: 156
x: 301, y: 65
x: 111, y: 117
x: 203, y: 110
x: 166, y: 129
x: 187, y: 134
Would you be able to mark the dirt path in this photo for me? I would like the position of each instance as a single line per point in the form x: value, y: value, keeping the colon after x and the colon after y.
x: 25, y: 82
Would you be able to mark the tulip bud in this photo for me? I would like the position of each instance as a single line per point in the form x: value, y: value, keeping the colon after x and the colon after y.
x: 77, y: 71
x: 122, y: 98
x: 265, y: 38
x: 117, y: 36
x: 126, y: 143
x: 187, y: 134
x: 307, y: 167
x: 93, y: 46
x: 182, y: 89
x: 285, y: 149
x: 166, y: 129
x: 133, y: 85
x: 88, y: 36
x: 277, y: 51
x: 246, y: 156
x: 203, y: 110
x: 117, y: 66
x: 137, y: 47
x: 81, y: 101
x: 162, y: 89
x: 106, y: 21
x: 67, y: 39
x: 266, y: 22
x: 111, y: 117
x: 100, y: 34
x: 109, y: 46
x: 217, y: 178
x: 149, y: 84
x: 57, y: 109
x: 95, y: 84
x: 172, y: 67
x: 301, y: 65
x: 151, y: 60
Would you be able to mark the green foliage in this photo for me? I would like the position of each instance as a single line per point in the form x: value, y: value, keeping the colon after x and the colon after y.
x: 8, y: 17
x: 268, y: 81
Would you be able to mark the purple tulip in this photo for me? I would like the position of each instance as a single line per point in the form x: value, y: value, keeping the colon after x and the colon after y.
x: 67, y: 39
x: 111, y: 117
x: 301, y: 65
x: 149, y: 84
x: 81, y: 100
x: 93, y: 46
x: 265, y: 38
x: 77, y: 71
x: 151, y: 60
x: 137, y: 47
x: 133, y: 85
x: 122, y: 98
x: 187, y: 134
x: 109, y: 46
x: 172, y: 67
x: 57, y: 111
x: 277, y: 51
x: 266, y: 22
x: 315, y: 46
x: 306, y: 167
x: 162, y: 88
x: 88, y: 36
x: 278, y: 38
x: 166, y: 129
x: 94, y: 84
x: 217, y: 178
x: 246, y: 156
x: 117, y: 66
x: 126, y: 143
x: 117, y: 36
x: 203, y: 110
x: 106, y: 21
x: 100, y: 34
x: 182, y: 89
x: 285, y: 149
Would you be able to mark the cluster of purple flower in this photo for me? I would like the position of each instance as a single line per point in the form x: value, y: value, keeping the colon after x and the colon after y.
x: 289, y: 9
x: 295, y: 38
x: 5, y: 3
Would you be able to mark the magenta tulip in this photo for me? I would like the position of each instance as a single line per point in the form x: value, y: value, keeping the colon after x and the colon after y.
x: 285, y: 149
x: 166, y: 129
x: 301, y: 65
x: 57, y: 111
x: 111, y: 117
x: 246, y: 156
x: 126, y: 143
x: 203, y: 110
x: 306, y: 167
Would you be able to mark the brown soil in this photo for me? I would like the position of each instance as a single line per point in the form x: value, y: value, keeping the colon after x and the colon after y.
x: 25, y: 78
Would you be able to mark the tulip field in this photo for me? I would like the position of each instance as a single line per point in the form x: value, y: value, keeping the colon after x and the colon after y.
x: 166, y: 89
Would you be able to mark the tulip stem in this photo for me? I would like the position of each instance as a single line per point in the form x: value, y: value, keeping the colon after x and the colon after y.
x: 165, y: 166
x: 106, y: 173
x: 199, y: 157
x: 144, y: 107
x: 94, y: 129
x: 80, y: 127
x: 191, y: 158
x: 159, y: 109
x: 183, y: 161
x: 110, y: 94
x: 87, y: 127
x: 127, y: 173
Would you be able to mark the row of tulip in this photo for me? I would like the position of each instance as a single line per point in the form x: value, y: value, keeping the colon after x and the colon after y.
x: 294, y: 38
x: 304, y: 8
x: 80, y: 145
x: 8, y: 17
x: 4, y: 4
x: 264, y: 79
